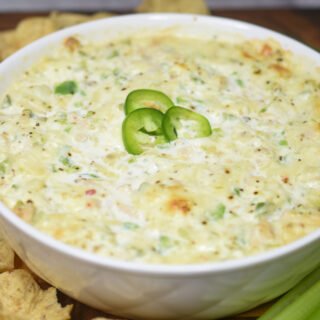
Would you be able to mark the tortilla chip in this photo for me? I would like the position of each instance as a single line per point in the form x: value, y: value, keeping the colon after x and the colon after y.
x: 182, y: 6
x: 62, y: 20
x: 8, y: 44
x: 21, y: 298
x: 31, y: 29
x: 6, y: 256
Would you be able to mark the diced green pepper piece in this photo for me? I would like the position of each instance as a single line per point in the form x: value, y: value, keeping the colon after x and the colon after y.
x: 66, y: 87
x: 142, y: 129
x: 165, y: 242
x: 146, y: 98
x: 237, y: 191
x: 219, y: 211
x: 180, y: 122
x: 283, y: 143
x: 260, y: 205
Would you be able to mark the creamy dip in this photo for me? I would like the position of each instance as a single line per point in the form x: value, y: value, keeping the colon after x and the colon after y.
x: 252, y: 185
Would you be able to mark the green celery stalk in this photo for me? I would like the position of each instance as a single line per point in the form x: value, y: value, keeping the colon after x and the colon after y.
x: 315, y: 315
x: 302, y: 307
x: 293, y: 296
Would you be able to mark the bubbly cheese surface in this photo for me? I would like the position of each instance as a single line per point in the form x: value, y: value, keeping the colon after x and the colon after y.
x: 251, y: 186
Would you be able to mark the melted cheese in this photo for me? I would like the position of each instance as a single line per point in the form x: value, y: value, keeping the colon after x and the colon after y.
x: 251, y: 186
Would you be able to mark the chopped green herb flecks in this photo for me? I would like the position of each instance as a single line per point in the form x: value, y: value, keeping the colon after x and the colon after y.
x: 218, y: 212
x: 113, y: 54
x: 237, y: 191
x: 130, y: 226
x: 164, y: 243
x: 263, y: 110
x: 65, y: 161
x: 88, y: 176
x: 262, y: 208
x: 68, y: 129
x: 283, y: 143
x: 82, y: 53
x: 66, y: 87
x: 7, y: 102
x: 260, y: 205
x: 3, y: 166
x: 240, y: 83
x: 90, y: 113
x: 197, y: 79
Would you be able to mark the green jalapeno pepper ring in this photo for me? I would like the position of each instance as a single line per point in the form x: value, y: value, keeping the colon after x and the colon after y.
x: 147, y: 98
x: 141, y: 129
x: 179, y: 122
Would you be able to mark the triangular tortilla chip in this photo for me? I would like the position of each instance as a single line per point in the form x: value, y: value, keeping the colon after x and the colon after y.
x: 179, y: 6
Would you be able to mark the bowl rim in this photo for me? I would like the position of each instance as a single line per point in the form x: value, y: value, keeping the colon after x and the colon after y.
x: 143, y: 267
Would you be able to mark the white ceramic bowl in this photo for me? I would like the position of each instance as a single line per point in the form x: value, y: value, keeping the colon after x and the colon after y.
x: 144, y: 291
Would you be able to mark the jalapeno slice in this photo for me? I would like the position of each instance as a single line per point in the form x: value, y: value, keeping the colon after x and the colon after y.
x: 179, y: 122
x: 146, y: 98
x: 142, y: 129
